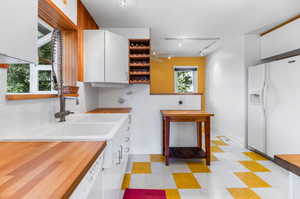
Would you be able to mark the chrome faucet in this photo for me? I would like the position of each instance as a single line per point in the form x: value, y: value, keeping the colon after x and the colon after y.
x: 57, y: 55
x: 63, y: 112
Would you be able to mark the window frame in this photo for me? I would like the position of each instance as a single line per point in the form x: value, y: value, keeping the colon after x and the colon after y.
x: 194, y: 70
x: 35, y: 69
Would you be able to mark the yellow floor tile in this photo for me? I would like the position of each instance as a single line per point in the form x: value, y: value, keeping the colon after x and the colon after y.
x: 198, y: 167
x: 219, y: 142
x: 254, y: 166
x: 186, y: 181
x: 216, y: 149
x: 251, y: 180
x: 254, y: 156
x: 126, y: 181
x: 243, y: 193
x: 157, y: 158
x: 172, y: 194
x: 141, y: 167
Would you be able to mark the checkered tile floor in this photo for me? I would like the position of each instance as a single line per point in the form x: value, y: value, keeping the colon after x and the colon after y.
x: 235, y: 173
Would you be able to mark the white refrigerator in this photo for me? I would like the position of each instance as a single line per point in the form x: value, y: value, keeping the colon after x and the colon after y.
x: 274, y: 107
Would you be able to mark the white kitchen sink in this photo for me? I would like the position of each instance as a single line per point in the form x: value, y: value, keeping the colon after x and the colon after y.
x: 82, y: 131
x: 97, y: 118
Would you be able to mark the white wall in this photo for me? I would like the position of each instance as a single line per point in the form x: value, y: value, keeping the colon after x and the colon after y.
x: 146, y: 119
x: 226, y: 88
x: 131, y: 33
x: 70, y: 9
x: 20, y: 118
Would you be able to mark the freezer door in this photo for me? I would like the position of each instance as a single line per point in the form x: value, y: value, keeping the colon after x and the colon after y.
x: 256, y: 112
x: 283, y: 107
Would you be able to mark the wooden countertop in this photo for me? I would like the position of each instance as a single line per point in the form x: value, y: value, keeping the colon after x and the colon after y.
x: 44, y: 170
x: 172, y: 113
x: 291, y: 162
x: 111, y: 110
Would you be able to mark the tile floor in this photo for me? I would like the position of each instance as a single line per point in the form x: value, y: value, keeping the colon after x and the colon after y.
x: 235, y: 173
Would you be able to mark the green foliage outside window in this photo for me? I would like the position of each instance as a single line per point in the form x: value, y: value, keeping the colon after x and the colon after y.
x: 18, y: 78
x: 44, y: 80
x: 18, y: 75
x: 45, y: 54
x: 184, y: 81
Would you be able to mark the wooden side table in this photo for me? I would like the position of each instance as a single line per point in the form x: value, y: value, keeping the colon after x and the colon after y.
x: 197, y: 116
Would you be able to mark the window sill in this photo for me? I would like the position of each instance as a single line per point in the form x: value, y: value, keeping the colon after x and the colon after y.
x: 11, y: 97
x: 4, y: 65
x: 176, y: 93
x: 30, y: 96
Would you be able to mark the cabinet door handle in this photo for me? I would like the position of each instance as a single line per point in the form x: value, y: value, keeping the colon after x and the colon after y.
x: 121, y: 151
x: 127, y: 150
x: 119, y: 158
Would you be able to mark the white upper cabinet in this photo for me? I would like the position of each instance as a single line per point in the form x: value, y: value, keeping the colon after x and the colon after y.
x: 94, y: 51
x: 105, y: 57
x: 281, y: 40
x: 116, y: 58
x: 19, y: 34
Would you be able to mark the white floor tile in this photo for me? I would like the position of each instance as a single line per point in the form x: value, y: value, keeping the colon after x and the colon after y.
x: 203, y: 194
x: 152, y: 181
x: 271, y: 193
x: 139, y: 158
x: 218, y: 180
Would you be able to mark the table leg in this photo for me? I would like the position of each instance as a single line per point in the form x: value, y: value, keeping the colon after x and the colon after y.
x: 167, y: 140
x: 199, y: 134
x: 163, y: 135
x: 207, y: 140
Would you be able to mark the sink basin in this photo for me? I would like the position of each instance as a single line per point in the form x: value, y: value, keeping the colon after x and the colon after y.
x: 75, y: 130
x: 79, y: 127
x: 97, y: 118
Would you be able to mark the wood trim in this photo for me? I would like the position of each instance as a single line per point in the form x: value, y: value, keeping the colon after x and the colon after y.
x: 13, y: 97
x: 176, y: 93
x: 50, y: 13
x: 84, y: 21
x: 280, y: 25
x: 70, y: 57
x: 71, y: 95
x: 4, y: 65
x: 111, y: 110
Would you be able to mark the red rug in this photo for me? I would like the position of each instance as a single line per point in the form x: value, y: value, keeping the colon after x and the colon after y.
x: 144, y: 194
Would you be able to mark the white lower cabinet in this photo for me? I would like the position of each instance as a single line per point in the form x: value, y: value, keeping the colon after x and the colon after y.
x: 113, y: 175
x: 105, y: 177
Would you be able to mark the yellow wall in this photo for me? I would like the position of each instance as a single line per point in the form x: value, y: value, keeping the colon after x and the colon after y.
x: 162, y: 73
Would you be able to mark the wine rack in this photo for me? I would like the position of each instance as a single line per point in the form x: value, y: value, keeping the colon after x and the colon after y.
x: 139, y: 61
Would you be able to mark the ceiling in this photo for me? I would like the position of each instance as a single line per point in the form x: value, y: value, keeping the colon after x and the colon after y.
x: 192, y: 18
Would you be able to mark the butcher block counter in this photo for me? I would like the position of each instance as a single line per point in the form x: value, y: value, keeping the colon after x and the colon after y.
x: 47, y: 170
x: 111, y: 110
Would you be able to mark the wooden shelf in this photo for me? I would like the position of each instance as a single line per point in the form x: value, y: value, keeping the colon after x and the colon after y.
x: 136, y: 40
x: 139, y: 65
x: 139, y: 82
x: 139, y: 73
x: 139, y: 48
x: 139, y: 56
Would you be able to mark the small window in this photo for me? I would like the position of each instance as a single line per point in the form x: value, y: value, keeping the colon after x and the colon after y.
x: 186, y: 78
x: 30, y: 78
